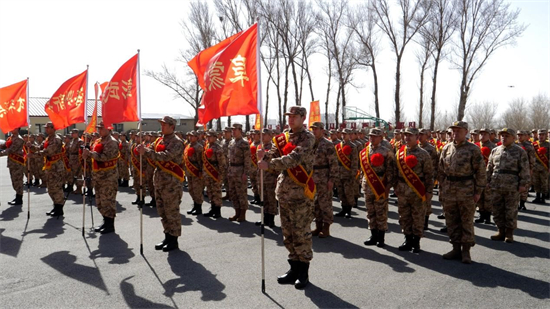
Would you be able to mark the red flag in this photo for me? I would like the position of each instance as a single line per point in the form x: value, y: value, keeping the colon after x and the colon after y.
x: 314, y: 112
x: 258, y: 123
x: 227, y: 72
x: 67, y: 106
x: 13, y: 106
x: 120, y: 99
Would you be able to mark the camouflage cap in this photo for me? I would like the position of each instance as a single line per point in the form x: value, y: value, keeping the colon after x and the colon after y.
x: 396, y: 131
x: 340, y: 130
x: 168, y: 120
x: 74, y: 131
x: 410, y: 131
x: 101, y: 125
x: 227, y: 129
x: 542, y: 131
x: 522, y: 132
x: 192, y: 133
x: 475, y: 131
x: 347, y: 131
x: 484, y: 130
x: 211, y: 132
x: 510, y: 131
x: 318, y: 125
x: 332, y: 131
x: 534, y: 130
x: 237, y: 126
x: 424, y: 131
x: 492, y: 131
x: 254, y: 131
x: 200, y: 131
x: 459, y: 124
x: 266, y: 131
x: 297, y: 110
x: 376, y: 132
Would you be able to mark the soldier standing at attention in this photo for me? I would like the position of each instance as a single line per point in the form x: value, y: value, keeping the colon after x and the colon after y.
x: 415, y: 186
x: 105, y: 154
x: 525, y: 143
x: 192, y: 158
x: 462, y: 178
x: 379, y: 174
x: 292, y: 154
x: 254, y: 143
x: 325, y: 175
x: 215, y: 167
x: 485, y: 201
x: 136, y: 164
x: 334, y: 137
x: 124, y: 173
x: 508, y: 175
x: 270, y: 182
x: 225, y: 147
x: 76, y: 168
x: 540, y: 172
x: 347, y: 155
x: 423, y: 139
x: 239, y: 168
x: 167, y: 153
x: 54, y: 168
x: 16, y: 163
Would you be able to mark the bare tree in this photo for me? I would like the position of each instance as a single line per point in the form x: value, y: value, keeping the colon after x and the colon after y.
x: 444, y: 119
x: 484, y: 27
x: 482, y: 115
x: 514, y: 116
x: 423, y: 57
x: 539, y: 111
x: 362, y: 21
x: 413, y: 15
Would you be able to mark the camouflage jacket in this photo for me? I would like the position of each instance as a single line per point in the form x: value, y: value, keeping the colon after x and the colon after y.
x: 538, y: 164
x: 239, y: 155
x: 508, y: 168
x: 110, y: 151
x: 325, y: 166
x: 74, y: 147
x: 423, y: 169
x: 214, y: 154
x: 528, y: 147
x: 388, y: 170
x: 430, y: 149
x: 16, y: 147
x: 354, y: 158
x: 462, y: 160
x: 196, y: 157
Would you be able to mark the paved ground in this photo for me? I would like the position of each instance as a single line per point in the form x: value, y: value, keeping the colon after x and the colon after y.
x: 46, y: 263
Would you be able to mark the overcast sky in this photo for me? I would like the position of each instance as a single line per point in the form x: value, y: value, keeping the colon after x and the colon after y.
x: 51, y: 41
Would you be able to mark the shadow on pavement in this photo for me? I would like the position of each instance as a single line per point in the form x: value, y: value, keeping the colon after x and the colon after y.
x: 11, y: 213
x: 52, y: 228
x: 192, y: 276
x: 135, y: 301
x: 112, y: 246
x: 223, y: 225
x: 64, y: 263
x: 325, y: 299
x: 519, y: 249
x: 544, y: 222
x: 9, y: 246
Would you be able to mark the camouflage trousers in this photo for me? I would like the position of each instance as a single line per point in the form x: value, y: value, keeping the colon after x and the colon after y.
x: 149, y: 172
x: 270, y: 201
x: 55, y: 181
x: 16, y: 174
x: 136, y: 186
x: 524, y: 195
x: 358, y: 186
x: 296, y: 221
x: 213, y: 190
x: 255, y: 180
x: 485, y: 200
x: 411, y: 210
x: 76, y: 171
x: 106, y: 187
x: 346, y: 187
x: 123, y: 172
x: 505, y: 209
x: 459, y: 218
x: 540, y: 181
x: 237, y: 188
x: 377, y: 210
x: 196, y: 188
x: 323, y: 204
x: 168, y: 192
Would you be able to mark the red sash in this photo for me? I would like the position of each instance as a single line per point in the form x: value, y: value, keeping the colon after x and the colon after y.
x: 122, y: 153
x: 345, y: 160
x: 377, y: 186
x: 298, y: 173
x: 66, y: 160
x: 135, y: 161
x: 253, y: 156
x: 542, y: 158
x: 409, y: 175
x: 169, y: 167
x: 19, y: 159
x: 190, y: 167
x: 210, y: 169
x: 106, y: 165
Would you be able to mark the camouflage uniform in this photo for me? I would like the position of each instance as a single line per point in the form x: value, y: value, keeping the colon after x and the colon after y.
x: 214, y: 154
x: 347, y: 182
x: 530, y: 150
x: 196, y: 183
x: 17, y: 169
x: 56, y: 172
x: 225, y: 148
x: 74, y: 159
x: 168, y: 188
x: 105, y: 180
x: 239, y: 164
x: 430, y: 149
x: 254, y: 179
x: 149, y: 169
x: 296, y: 209
x: 325, y: 169
x: 123, y: 172
x: 508, y: 169
x: 270, y: 183
x: 540, y: 172
x: 484, y: 204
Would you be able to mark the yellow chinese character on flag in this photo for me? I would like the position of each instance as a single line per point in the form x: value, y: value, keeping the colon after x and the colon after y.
x: 239, y: 70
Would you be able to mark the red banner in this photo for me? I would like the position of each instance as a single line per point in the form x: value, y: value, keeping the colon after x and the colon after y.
x: 543, y: 158
x: 412, y: 180
x: 67, y: 105
x: 314, y: 112
x: 227, y: 72
x: 13, y: 106
x: 342, y: 157
x: 120, y: 99
x: 377, y: 186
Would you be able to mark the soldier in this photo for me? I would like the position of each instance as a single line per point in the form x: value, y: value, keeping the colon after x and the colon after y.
x: 525, y: 143
x: 325, y: 175
x: 270, y: 182
x: 239, y: 169
x: 292, y: 154
x: 215, y: 166
x: 192, y: 158
x: 39, y: 160
x: 423, y: 142
x: 540, y: 172
x: 167, y: 153
x: 485, y: 201
x: 379, y: 174
x: 508, y: 176
x: 225, y: 147
x: 462, y: 178
x: 348, y: 160
x: 54, y: 167
x: 16, y: 163
x: 255, y: 142
x: 415, y: 186
x: 76, y: 170
x: 334, y: 137
x: 535, y: 134
x: 124, y: 148
x: 149, y: 169
x: 136, y: 168
x: 105, y: 154
x: 474, y: 136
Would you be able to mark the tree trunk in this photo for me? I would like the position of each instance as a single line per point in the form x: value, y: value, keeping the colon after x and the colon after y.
x: 229, y: 121
x: 266, y: 101
x: 247, y: 123
x: 434, y: 87
x: 296, y: 89
x: 286, y: 93
x: 337, y: 106
x: 376, y: 103
x: 397, y: 88
x: 464, y: 89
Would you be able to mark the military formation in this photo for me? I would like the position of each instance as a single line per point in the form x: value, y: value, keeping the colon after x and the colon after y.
x: 295, y: 174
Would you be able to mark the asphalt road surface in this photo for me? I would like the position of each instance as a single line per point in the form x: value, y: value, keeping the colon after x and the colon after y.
x: 46, y: 263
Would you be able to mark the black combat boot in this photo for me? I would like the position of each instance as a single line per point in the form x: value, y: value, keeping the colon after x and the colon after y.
x: 153, y: 202
x: 49, y: 213
x: 69, y: 188
x: 57, y: 210
x: 537, y: 199
x: 482, y: 217
x: 426, y: 219
x: 303, y: 275
x: 348, y: 212
x: 214, y: 212
x: 171, y: 243
x: 137, y: 201
x: 522, y: 205
x: 100, y: 227
x: 443, y: 229
x: 109, y: 226
x: 416, y: 244
x: 373, y: 239
x: 124, y: 183
x: 381, y: 240
x: 407, y: 245
x: 488, y: 218
x: 18, y: 200
x: 291, y: 275
x: 197, y: 208
x: 271, y: 220
x: 161, y: 244
x: 36, y: 182
x: 342, y: 213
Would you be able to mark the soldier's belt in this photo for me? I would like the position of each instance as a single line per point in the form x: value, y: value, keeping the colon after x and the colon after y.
x: 401, y: 179
x: 74, y: 153
x: 320, y: 167
x: 509, y: 172
x: 236, y: 164
x: 460, y: 178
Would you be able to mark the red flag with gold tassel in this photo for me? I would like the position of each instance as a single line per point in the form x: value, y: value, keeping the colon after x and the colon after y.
x: 14, y: 106
x: 67, y: 105
x: 120, y: 103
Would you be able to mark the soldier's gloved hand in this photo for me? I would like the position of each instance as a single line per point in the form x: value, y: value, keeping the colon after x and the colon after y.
x: 260, y: 154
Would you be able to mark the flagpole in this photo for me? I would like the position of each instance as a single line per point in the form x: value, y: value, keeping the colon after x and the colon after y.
x: 140, y: 161
x: 28, y: 158
x: 85, y: 142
